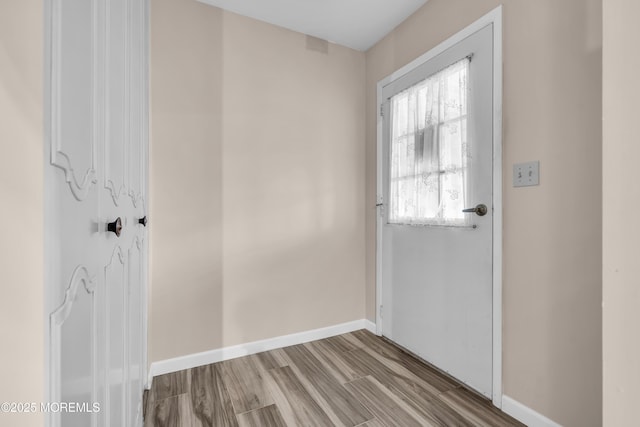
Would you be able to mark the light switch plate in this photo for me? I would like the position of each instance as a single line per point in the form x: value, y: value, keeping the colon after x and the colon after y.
x: 526, y: 174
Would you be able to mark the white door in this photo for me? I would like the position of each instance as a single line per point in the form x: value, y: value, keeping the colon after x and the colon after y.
x: 437, y: 155
x: 96, y: 184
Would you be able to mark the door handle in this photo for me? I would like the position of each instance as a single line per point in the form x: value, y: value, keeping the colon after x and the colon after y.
x: 115, y: 227
x: 480, y: 210
x: 143, y: 221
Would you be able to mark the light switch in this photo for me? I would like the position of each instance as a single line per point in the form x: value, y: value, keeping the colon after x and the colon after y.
x: 526, y: 174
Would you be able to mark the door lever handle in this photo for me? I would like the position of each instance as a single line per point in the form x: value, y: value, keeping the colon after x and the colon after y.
x: 480, y: 210
x: 115, y: 226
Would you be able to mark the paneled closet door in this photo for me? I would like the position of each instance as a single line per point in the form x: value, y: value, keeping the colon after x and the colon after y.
x: 73, y: 225
x: 96, y: 178
x: 123, y: 197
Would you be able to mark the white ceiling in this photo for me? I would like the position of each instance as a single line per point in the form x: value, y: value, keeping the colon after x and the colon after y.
x: 357, y: 24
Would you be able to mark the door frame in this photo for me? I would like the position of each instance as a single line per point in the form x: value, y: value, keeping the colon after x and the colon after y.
x: 494, y: 17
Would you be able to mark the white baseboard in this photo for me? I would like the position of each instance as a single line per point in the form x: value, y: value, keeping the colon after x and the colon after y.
x: 213, y: 356
x: 370, y: 326
x: 525, y: 415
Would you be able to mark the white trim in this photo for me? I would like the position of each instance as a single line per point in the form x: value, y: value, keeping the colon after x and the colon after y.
x: 48, y: 202
x: 379, y: 206
x: 494, y: 17
x: 370, y: 326
x: 526, y: 415
x: 213, y: 356
x: 145, y: 200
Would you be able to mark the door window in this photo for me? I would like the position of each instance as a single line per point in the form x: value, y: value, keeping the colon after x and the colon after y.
x: 429, y: 150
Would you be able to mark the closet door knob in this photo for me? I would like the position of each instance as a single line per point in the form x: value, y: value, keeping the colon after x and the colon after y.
x: 143, y: 221
x: 115, y: 227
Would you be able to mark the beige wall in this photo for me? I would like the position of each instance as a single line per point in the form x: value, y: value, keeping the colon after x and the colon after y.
x: 21, y: 183
x: 257, y: 196
x: 551, y: 236
x: 621, y: 194
x: 185, y: 301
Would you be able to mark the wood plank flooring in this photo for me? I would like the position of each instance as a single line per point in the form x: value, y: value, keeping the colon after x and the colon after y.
x: 355, y: 379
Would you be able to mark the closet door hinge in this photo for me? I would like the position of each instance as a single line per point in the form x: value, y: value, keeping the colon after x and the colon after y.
x: 381, y: 312
x: 381, y: 110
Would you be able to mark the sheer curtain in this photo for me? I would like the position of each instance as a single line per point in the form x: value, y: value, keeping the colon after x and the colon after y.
x: 429, y: 150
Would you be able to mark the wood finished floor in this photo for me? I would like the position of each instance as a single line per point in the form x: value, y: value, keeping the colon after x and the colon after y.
x: 355, y: 379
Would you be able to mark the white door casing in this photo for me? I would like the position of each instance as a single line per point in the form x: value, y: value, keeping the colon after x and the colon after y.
x: 96, y: 171
x: 461, y: 313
